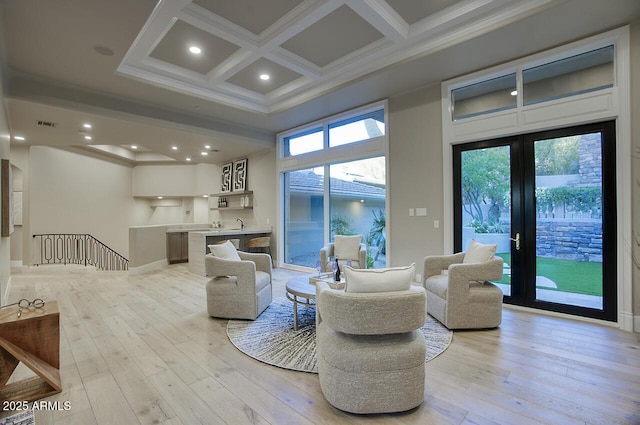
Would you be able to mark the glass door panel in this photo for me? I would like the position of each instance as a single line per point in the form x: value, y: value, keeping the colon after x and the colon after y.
x: 357, y: 205
x: 548, y: 200
x: 486, y: 202
x: 569, y: 206
x: 304, y: 216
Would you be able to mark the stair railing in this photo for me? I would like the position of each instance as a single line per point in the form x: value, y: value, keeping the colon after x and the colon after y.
x: 83, y: 249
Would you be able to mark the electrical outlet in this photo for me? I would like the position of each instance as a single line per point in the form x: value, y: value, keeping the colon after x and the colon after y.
x: 436, y: 224
x: 412, y: 212
x: 418, y: 277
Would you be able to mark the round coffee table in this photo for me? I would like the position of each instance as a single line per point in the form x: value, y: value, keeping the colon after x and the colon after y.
x: 300, y: 291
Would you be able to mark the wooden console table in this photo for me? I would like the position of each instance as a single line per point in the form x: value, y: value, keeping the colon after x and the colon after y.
x: 34, y: 340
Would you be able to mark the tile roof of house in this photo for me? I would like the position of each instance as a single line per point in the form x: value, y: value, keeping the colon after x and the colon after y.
x: 310, y: 182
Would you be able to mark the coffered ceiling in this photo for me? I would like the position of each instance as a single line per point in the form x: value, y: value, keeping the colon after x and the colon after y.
x: 125, y: 65
x: 301, y: 48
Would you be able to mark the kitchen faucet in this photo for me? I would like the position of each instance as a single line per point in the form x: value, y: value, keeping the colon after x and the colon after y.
x: 241, y: 223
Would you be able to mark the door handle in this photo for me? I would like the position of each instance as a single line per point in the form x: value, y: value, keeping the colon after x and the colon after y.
x: 517, y: 241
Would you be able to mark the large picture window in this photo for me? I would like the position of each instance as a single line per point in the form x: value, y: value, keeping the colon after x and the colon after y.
x: 328, y: 191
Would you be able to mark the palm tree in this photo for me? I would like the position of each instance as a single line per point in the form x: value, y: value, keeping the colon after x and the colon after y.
x: 377, y: 233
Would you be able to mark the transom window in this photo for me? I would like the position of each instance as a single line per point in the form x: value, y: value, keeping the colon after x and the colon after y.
x: 305, y: 142
x: 535, y: 83
x: 335, y: 132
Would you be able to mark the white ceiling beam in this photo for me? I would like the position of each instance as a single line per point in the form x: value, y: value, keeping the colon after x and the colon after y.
x: 233, y: 64
x: 301, y: 17
x: 220, y: 27
x: 382, y: 17
x: 294, y: 62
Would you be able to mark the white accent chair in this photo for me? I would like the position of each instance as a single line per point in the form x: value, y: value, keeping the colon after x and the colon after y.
x: 462, y: 297
x: 371, y: 352
x: 346, y: 248
x: 238, y: 289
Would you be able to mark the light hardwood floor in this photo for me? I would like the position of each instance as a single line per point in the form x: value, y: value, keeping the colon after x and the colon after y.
x: 142, y: 350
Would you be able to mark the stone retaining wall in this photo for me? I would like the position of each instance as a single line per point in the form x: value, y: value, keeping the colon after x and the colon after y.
x: 570, y: 240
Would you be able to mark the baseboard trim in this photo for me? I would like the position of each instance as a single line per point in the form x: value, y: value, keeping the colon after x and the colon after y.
x: 564, y: 315
x: 157, y: 265
x: 17, y: 264
x: 636, y: 323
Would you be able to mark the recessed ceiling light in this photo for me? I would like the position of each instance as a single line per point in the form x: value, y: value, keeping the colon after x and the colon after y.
x: 207, y: 146
x: 134, y: 147
x: 175, y: 148
x: 205, y: 196
x: 87, y: 125
x: 188, y: 159
x: 21, y: 138
x: 204, y: 153
x: 264, y: 77
x: 87, y: 137
x: 159, y: 197
x: 514, y: 93
x: 195, y: 50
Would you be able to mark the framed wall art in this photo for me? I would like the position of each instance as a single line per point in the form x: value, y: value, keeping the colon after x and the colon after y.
x: 240, y: 175
x: 227, y: 177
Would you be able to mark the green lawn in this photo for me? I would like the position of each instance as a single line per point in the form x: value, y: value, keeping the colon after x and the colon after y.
x: 577, y: 277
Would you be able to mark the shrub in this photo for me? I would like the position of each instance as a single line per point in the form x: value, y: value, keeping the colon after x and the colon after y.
x: 486, y: 226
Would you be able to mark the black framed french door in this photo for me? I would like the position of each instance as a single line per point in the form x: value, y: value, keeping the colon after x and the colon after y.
x: 548, y: 201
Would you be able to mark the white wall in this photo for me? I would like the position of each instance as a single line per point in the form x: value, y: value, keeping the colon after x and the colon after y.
x: 70, y: 193
x: 186, y: 182
x: 207, y: 179
x: 164, y: 180
x: 200, y: 213
x: 262, y: 180
x: 176, y: 180
x: 415, y: 176
x: 166, y: 215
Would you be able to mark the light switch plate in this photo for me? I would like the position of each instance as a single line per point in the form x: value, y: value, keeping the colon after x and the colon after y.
x: 421, y: 212
x: 412, y: 212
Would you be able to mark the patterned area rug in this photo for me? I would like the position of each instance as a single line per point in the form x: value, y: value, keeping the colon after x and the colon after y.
x: 272, y: 340
x: 24, y: 417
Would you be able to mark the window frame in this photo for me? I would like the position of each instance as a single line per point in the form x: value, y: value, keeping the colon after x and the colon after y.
x: 363, y: 149
x: 608, y: 104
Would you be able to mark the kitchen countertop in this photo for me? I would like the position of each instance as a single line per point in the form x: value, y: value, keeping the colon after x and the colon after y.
x: 233, y: 231
x: 198, y: 242
x: 212, y: 231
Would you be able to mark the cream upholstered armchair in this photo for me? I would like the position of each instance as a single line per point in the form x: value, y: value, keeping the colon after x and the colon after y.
x: 240, y: 285
x: 346, y: 249
x: 371, y: 353
x: 459, y: 293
